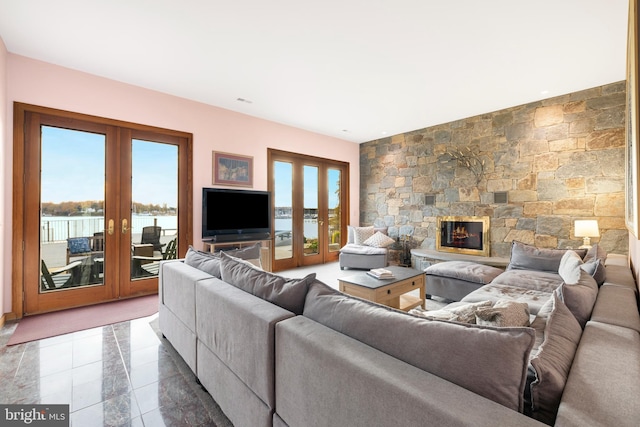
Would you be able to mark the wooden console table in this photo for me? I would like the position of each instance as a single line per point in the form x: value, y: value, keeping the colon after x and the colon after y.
x: 426, y: 257
x: 265, y: 249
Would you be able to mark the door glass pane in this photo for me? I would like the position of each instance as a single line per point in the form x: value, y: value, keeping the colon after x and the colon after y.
x: 335, y: 212
x: 311, y: 225
x: 72, y: 182
x: 154, y: 206
x: 283, y: 203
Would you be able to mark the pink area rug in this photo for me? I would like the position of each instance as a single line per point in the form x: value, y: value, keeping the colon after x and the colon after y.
x: 47, y: 325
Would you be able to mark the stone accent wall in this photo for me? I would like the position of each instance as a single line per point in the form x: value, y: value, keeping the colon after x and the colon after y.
x: 558, y: 160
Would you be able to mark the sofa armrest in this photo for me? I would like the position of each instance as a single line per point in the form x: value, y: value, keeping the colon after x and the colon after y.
x: 325, y: 378
x: 239, y: 328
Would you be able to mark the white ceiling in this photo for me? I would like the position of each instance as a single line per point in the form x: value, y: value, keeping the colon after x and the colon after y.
x: 352, y: 69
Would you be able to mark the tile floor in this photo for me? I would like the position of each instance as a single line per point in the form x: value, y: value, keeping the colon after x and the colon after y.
x: 123, y: 374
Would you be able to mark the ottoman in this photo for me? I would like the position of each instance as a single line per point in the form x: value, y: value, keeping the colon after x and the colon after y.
x: 455, y: 279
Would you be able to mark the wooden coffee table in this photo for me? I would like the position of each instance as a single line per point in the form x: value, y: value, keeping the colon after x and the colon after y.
x: 391, y: 292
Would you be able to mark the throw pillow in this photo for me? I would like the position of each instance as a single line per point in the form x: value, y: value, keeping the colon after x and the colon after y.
x: 550, y: 367
x: 78, y: 245
x: 287, y: 293
x: 528, y: 257
x: 580, y: 297
x: 360, y: 234
x: 379, y: 240
x: 204, y: 261
x: 250, y: 253
x: 597, y: 255
x: 504, y: 313
x: 569, y: 268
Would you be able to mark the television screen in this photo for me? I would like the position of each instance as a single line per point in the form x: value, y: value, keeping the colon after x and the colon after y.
x: 239, y: 213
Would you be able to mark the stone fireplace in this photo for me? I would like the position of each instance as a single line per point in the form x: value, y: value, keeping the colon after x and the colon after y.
x: 463, y: 234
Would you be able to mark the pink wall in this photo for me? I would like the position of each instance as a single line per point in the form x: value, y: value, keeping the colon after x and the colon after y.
x: 5, y: 200
x: 40, y: 83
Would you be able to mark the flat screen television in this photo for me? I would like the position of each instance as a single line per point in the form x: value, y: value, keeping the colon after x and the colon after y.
x: 229, y: 214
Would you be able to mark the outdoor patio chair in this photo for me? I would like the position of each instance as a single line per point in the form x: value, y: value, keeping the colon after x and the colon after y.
x: 151, y: 235
x: 62, y: 278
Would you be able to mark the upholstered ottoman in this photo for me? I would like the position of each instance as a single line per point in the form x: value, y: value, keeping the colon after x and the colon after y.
x: 455, y: 279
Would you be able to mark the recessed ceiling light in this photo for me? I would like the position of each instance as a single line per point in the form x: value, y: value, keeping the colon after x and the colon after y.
x: 544, y: 92
x: 384, y: 132
x: 345, y: 130
x: 246, y: 101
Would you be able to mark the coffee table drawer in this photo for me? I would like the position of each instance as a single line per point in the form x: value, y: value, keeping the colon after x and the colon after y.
x: 400, y: 288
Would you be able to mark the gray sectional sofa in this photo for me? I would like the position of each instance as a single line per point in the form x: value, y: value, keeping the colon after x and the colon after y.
x: 285, y: 352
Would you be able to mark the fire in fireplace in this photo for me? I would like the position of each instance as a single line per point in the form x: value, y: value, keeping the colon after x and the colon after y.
x: 463, y: 234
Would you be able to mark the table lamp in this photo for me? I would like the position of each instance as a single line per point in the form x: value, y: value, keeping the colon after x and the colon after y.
x: 586, y: 229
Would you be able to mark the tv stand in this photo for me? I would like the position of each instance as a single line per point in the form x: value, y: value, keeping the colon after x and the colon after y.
x: 217, y: 244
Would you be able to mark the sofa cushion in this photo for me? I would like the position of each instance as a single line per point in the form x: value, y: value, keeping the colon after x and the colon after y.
x: 460, y: 353
x: 494, y: 292
x: 464, y: 270
x: 504, y: 313
x: 528, y: 257
x: 379, y: 240
x: 286, y: 293
x: 580, y: 297
x: 249, y: 253
x: 596, y: 252
x: 204, y: 261
x: 551, y: 365
x: 352, y: 248
x: 569, y: 268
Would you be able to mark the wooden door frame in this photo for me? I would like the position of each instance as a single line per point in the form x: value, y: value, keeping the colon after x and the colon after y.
x: 20, y: 112
x: 274, y: 154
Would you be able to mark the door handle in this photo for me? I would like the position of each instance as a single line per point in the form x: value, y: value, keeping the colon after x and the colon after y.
x: 124, y: 226
x: 111, y: 227
x: 321, y: 222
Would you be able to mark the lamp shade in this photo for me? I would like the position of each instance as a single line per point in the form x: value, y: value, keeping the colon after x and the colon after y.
x: 587, y: 228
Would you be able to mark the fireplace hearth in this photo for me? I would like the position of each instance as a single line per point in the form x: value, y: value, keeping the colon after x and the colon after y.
x: 463, y: 234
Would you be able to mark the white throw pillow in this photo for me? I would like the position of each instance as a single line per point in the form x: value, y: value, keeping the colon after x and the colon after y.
x: 379, y: 240
x: 360, y: 234
x: 569, y: 268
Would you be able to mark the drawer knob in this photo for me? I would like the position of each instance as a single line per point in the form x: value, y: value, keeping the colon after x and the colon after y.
x: 388, y: 291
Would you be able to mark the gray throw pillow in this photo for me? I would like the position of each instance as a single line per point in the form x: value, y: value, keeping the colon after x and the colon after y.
x: 527, y: 257
x: 594, y: 263
x: 286, y: 293
x: 491, y: 362
x: 205, y: 261
x: 550, y: 367
x: 250, y: 253
x: 580, y: 297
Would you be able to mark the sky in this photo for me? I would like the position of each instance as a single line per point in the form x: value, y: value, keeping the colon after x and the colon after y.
x: 283, y: 193
x: 73, y: 168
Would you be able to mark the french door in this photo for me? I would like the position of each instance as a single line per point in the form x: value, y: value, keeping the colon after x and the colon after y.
x: 310, y: 206
x: 101, y: 204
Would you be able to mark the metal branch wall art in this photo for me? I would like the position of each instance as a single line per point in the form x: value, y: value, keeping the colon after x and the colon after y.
x: 468, y: 159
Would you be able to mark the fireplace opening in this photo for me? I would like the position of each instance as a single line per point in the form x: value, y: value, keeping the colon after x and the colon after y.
x: 463, y: 234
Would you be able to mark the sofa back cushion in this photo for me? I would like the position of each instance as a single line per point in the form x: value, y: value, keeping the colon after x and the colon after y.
x: 203, y: 261
x: 489, y: 361
x: 286, y: 293
x: 528, y: 257
x: 551, y: 365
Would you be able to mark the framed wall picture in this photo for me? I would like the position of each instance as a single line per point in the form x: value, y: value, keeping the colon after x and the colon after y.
x: 232, y: 169
x: 631, y: 208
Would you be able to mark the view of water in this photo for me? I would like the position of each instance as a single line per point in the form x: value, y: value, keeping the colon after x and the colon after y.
x: 56, y: 228
x: 61, y: 228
